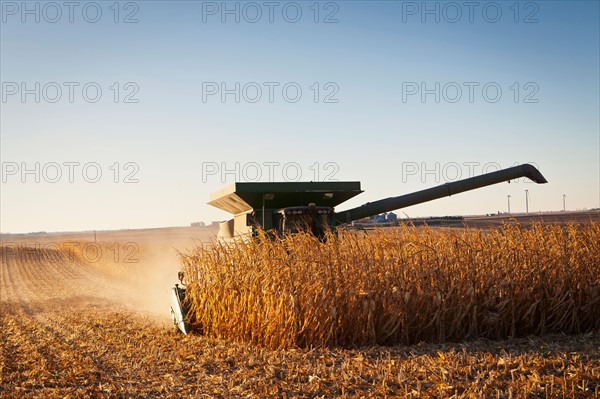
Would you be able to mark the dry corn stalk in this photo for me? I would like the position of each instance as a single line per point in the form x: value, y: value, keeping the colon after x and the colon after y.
x: 401, y: 285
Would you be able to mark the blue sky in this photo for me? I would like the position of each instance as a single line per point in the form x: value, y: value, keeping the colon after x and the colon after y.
x: 365, y: 124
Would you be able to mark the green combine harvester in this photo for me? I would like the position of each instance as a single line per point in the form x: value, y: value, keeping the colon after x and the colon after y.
x: 289, y: 207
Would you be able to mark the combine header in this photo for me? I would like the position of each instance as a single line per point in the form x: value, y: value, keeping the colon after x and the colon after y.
x: 290, y: 207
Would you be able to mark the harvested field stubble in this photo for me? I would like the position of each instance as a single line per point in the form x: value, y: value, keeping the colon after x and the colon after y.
x: 113, y: 258
x: 399, y: 286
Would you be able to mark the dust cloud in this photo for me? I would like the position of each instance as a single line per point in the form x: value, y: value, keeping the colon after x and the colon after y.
x: 131, y: 270
x: 144, y: 283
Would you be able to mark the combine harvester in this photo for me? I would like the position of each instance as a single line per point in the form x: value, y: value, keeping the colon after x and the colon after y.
x: 290, y: 207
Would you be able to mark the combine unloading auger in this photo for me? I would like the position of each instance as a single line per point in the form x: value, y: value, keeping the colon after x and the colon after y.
x: 444, y: 190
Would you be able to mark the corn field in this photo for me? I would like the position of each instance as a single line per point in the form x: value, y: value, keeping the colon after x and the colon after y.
x: 398, y: 286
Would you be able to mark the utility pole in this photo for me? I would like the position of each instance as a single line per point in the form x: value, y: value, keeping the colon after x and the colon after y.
x: 564, y: 203
x: 508, y: 196
x: 526, y: 201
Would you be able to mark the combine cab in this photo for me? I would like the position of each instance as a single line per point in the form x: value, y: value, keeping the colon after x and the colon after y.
x: 289, y: 207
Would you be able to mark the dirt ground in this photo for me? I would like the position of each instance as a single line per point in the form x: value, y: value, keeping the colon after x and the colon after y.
x: 98, y: 326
